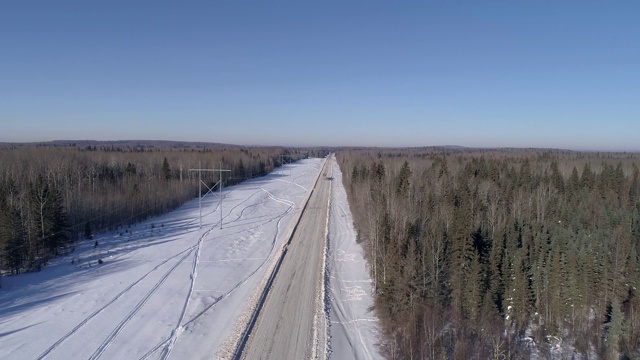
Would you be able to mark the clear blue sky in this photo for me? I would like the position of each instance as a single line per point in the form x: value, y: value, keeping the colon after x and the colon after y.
x: 562, y: 74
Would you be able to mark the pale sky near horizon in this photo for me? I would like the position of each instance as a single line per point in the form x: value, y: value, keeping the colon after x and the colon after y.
x: 561, y: 74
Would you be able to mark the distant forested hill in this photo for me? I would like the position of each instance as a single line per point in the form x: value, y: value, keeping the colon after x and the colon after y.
x: 500, y: 254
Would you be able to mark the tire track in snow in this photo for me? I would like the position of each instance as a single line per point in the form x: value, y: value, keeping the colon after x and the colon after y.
x: 186, y: 224
x: 139, y: 306
x: 95, y: 313
x: 225, y: 295
x: 188, y: 250
x: 114, y: 333
x: 170, y: 341
x: 194, y: 274
x: 280, y: 200
x: 244, y: 208
x: 259, y: 222
x: 292, y: 182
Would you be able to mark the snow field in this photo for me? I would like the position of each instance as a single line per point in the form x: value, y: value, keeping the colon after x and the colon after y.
x: 170, y: 290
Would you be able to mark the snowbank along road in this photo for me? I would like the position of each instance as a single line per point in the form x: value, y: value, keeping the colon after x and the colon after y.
x: 353, y: 327
x: 290, y: 325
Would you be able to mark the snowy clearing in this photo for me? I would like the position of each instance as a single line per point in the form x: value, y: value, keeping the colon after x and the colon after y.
x: 166, y: 289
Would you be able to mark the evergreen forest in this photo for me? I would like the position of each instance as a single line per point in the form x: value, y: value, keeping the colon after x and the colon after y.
x: 505, y: 254
x: 53, y: 195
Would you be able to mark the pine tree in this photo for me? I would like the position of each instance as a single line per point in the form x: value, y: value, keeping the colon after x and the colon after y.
x: 588, y: 178
x: 573, y: 184
x: 166, y: 170
x: 556, y: 177
x: 402, y: 187
x: 12, y: 245
x: 48, y: 217
x: 12, y: 237
x: 473, y: 293
x: 240, y: 171
x: 634, y: 188
x: 614, y: 330
x: 58, y: 230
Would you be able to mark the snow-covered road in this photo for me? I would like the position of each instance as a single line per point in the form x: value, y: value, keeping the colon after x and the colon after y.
x: 166, y: 289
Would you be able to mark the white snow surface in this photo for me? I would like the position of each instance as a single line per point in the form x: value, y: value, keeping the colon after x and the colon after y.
x: 168, y: 289
x: 353, y: 327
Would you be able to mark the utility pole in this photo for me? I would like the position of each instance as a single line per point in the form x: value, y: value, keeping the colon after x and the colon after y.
x: 219, y: 183
x: 220, y: 188
x: 282, y: 162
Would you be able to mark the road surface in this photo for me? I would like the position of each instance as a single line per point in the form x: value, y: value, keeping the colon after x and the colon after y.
x: 287, y: 327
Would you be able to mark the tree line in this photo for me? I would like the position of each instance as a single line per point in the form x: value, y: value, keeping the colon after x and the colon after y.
x: 500, y: 254
x: 52, y: 196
